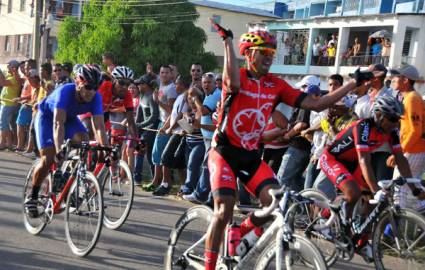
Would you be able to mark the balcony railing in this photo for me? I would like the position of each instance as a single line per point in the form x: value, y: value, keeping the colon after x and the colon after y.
x: 364, y: 60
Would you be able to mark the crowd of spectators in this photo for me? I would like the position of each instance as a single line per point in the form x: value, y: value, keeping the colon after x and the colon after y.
x: 175, y: 117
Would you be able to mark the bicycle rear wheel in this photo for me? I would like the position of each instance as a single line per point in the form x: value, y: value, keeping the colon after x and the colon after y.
x: 299, y: 248
x: 83, y: 215
x: 186, y: 245
x: 400, y: 245
x: 303, y: 215
x: 36, y: 225
x: 118, y: 193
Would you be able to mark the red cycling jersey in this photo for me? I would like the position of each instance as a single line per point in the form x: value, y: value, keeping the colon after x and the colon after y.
x: 340, y: 160
x: 244, y: 115
x: 242, y: 120
x: 113, y: 103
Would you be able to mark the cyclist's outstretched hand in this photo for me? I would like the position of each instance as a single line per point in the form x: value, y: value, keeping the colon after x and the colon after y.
x: 362, y: 76
x: 223, y: 33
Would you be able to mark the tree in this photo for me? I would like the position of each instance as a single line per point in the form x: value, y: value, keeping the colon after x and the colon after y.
x: 136, y: 32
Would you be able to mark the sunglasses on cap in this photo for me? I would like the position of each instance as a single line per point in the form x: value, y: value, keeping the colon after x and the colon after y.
x: 393, y: 118
x: 265, y: 51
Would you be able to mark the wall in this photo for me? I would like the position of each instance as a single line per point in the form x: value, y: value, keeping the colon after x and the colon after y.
x: 236, y: 21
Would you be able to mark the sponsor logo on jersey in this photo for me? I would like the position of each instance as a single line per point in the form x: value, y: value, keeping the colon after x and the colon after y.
x: 342, y: 145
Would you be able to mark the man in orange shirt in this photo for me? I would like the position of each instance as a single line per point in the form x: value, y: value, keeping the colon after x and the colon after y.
x: 412, y: 129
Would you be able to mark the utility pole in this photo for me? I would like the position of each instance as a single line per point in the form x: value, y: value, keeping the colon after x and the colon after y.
x: 46, y: 31
x: 36, y: 32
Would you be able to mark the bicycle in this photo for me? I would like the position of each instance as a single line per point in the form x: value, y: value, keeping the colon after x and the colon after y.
x: 277, y: 247
x: 395, y: 231
x: 77, y: 193
x: 117, y: 187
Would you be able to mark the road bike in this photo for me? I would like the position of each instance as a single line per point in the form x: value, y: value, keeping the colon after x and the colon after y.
x: 277, y: 248
x: 75, y: 192
x: 398, y: 235
x: 117, y: 184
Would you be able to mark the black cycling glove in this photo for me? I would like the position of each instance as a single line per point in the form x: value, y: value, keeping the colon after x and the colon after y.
x: 361, y: 76
x: 221, y: 31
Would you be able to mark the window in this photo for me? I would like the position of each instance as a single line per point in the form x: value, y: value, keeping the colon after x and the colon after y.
x: 8, y: 44
x: 19, y: 43
x: 22, y: 5
x: 217, y: 19
x: 406, y: 43
x: 9, y: 6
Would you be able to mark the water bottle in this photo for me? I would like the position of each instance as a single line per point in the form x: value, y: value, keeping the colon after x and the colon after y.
x: 248, y: 241
x: 233, y: 238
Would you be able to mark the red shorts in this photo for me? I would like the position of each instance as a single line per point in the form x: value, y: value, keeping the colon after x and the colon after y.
x: 226, y: 163
x: 339, y: 173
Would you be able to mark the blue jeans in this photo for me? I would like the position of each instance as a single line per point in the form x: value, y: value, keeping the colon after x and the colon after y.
x: 311, y: 174
x: 159, y: 145
x: 203, y: 188
x: 149, y: 138
x: 195, y: 151
x: 323, y: 184
x: 293, y: 165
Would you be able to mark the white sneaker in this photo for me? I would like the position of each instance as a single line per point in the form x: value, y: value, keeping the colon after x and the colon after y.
x: 366, y: 253
x: 29, y: 155
x: 191, y: 198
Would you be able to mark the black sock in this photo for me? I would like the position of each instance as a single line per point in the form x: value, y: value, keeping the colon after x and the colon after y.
x: 34, y: 194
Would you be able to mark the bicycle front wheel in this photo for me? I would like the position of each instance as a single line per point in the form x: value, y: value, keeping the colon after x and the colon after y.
x: 36, y: 225
x: 118, y: 193
x: 298, y: 249
x: 399, y: 244
x: 186, y: 245
x: 304, y: 215
x: 83, y: 215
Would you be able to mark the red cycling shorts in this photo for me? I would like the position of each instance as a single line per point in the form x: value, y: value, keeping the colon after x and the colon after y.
x: 339, y: 173
x: 227, y: 163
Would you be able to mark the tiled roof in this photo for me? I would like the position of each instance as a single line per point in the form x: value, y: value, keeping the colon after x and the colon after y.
x: 234, y: 8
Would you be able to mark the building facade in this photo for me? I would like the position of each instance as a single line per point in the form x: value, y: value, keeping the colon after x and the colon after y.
x: 384, y: 31
x: 17, y: 21
x: 235, y: 17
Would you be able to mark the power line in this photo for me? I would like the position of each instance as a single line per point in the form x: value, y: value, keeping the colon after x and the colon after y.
x: 135, y: 4
x: 141, y: 23
x: 135, y: 17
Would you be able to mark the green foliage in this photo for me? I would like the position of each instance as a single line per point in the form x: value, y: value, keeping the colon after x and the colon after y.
x: 136, y: 33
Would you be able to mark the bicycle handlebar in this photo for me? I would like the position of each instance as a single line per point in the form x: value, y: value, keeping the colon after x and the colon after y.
x: 267, y: 211
x: 399, y: 181
x: 276, y: 196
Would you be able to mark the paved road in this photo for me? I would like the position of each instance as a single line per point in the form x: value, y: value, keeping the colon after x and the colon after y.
x: 139, y: 244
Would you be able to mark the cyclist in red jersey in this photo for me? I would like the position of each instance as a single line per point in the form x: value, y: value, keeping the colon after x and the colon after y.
x: 249, y: 97
x: 115, y: 95
x: 347, y: 161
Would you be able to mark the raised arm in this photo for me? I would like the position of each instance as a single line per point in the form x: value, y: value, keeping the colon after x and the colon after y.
x: 230, y: 70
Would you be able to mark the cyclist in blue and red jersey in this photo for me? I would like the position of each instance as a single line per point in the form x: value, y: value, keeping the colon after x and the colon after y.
x: 57, y: 120
x: 249, y: 97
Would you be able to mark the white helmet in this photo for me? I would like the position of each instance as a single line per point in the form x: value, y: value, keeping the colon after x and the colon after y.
x: 122, y: 72
x: 388, y: 106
